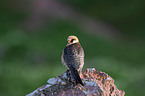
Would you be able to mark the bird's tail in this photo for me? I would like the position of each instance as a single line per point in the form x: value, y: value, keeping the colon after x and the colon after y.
x: 75, y: 75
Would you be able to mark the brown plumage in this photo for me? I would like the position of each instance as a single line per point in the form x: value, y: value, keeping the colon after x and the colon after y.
x: 73, y: 58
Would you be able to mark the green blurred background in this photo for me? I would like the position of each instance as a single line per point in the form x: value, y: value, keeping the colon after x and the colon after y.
x: 33, y: 34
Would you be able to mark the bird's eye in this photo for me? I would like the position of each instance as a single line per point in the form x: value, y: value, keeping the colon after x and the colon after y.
x: 72, y: 40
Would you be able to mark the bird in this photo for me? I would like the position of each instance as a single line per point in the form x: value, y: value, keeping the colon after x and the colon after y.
x: 73, y: 58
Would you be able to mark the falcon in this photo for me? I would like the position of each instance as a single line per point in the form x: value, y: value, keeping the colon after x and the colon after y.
x: 73, y: 59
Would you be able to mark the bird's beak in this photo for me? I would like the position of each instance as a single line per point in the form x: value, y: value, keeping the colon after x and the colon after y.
x: 68, y: 42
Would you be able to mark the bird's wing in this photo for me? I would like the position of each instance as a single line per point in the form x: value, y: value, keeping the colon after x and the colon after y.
x: 70, y: 58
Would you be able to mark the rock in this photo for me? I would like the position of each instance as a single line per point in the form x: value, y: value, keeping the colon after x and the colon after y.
x: 96, y: 83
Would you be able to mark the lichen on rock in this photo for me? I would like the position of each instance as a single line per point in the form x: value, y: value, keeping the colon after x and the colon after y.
x: 96, y: 83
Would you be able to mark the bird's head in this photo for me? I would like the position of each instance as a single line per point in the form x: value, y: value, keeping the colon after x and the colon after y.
x: 72, y: 40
